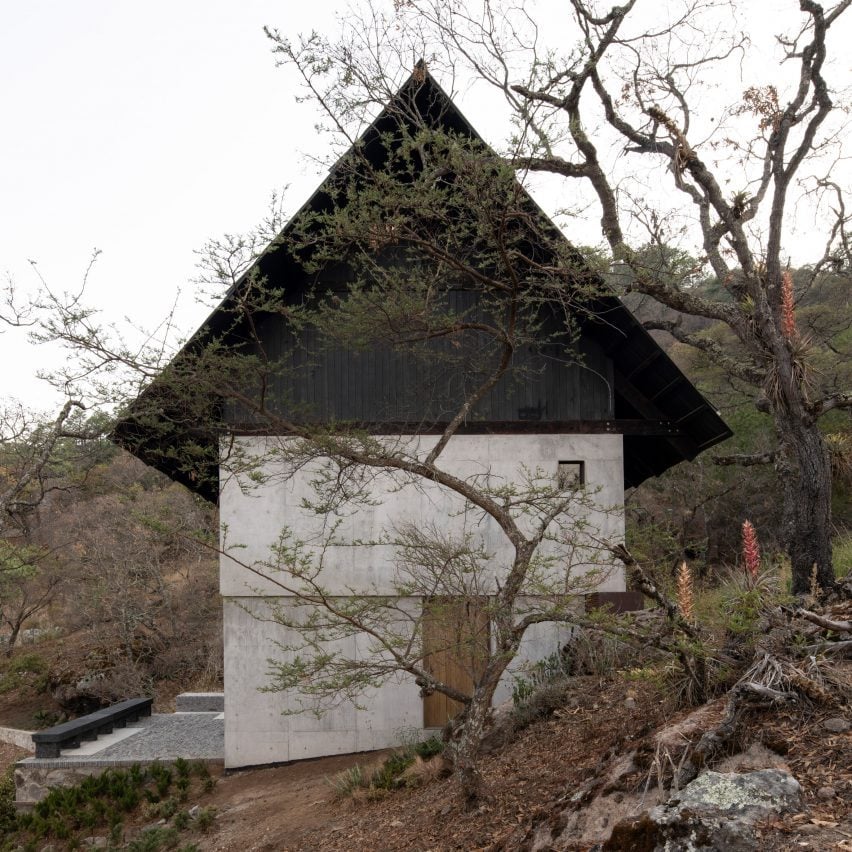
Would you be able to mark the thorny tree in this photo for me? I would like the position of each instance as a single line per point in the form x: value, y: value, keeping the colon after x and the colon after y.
x: 627, y: 97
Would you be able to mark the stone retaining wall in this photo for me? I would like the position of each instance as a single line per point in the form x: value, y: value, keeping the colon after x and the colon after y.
x: 34, y: 778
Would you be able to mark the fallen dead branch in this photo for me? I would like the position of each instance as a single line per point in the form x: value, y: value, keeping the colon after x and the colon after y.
x: 820, y: 620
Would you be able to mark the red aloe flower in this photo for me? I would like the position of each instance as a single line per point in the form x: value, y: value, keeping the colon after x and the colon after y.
x: 788, y: 306
x: 751, y: 549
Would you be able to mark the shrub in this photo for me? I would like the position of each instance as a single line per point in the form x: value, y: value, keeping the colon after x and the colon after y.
x: 544, y: 673
x: 204, y: 819
x: 345, y: 783
x: 393, y: 772
x: 429, y: 748
x: 386, y: 777
x: 8, y: 815
x: 181, y: 820
x: 25, y: 669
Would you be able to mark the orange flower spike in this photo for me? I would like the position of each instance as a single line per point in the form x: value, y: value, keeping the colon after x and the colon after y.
x: 788, y: 306
x: 751, y: 549
x: 685, y: 593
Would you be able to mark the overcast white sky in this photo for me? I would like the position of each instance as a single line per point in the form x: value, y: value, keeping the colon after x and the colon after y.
x: 143, y: 130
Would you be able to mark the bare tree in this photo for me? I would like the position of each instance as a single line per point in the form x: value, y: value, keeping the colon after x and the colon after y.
x: 626, y: 99
x: 29, y: 582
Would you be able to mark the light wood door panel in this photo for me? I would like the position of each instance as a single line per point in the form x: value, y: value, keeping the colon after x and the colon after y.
x: 455, y: 647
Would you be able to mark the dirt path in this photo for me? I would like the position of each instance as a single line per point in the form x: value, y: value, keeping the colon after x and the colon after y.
x: 272, y: 809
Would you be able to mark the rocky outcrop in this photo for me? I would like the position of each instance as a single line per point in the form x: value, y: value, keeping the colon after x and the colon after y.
x: 717, y: 811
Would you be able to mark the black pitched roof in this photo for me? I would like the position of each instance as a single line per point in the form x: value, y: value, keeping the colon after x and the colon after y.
x: 648, y: 385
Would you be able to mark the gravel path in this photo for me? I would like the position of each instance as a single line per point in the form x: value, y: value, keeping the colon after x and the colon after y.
x: 167, y: 736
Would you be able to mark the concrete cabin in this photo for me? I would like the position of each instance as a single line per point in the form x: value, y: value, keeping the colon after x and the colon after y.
x: 604, y: 407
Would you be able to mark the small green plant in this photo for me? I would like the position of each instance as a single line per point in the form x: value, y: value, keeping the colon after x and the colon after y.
x: 345, y: 783
x: 8, y: 815
x: 204, y: 819
x: 555, y: 667
x: 430, y: 748
x: 199, y: 769
x: 181, y: 820
x: 24, y: 669
x: 391, y: 774
x: 387, y: 776
x: 154, y: 839
x: 28, y: 664
x: 162, y: 777
x: 44, y: 718
x: 168, y: 808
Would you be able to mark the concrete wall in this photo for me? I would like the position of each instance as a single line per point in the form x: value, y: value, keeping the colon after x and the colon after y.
x: 258, y: 728
x: 253, y: 515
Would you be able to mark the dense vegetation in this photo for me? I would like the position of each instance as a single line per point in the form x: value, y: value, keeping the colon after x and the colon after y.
x: 107, y: 589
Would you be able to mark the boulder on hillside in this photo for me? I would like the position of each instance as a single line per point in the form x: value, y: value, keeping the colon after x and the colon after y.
x: 717, y: 811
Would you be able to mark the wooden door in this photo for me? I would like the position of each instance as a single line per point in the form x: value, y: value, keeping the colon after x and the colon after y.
x: 455, y: 648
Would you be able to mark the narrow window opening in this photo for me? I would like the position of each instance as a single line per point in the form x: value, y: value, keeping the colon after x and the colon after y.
x: 570, y: 474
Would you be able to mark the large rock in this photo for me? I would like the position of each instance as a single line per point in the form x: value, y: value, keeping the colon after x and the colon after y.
x: 717, y: 811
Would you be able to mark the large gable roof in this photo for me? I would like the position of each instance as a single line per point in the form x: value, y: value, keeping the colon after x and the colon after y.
x: 664, y: 418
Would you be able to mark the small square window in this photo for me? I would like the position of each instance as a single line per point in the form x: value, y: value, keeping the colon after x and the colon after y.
x: 570, y: 474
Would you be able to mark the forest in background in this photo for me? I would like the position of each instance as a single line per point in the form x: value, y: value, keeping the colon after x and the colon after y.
x: 108, y: 589
x: 695, y: 510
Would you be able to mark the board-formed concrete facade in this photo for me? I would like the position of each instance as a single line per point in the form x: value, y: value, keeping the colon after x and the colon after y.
x: 260, y: 726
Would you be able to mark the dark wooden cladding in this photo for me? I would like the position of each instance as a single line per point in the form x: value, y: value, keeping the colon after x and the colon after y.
x: 642, y: 428
x: 307, y: 379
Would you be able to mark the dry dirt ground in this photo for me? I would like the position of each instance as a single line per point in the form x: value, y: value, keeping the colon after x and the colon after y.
x: 277, y: 808
x: 293, y: 807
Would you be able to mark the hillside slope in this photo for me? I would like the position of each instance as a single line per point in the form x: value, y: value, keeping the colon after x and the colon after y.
x: 540, y: 785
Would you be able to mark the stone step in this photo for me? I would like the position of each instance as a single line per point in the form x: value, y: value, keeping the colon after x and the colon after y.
x: 200, y: 702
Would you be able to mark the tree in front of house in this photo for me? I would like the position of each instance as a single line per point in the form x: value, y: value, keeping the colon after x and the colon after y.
x: 424, y: 294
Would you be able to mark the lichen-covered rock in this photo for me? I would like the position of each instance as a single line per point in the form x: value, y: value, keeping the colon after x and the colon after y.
x: 837, y: 725
x: 717, y: 811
